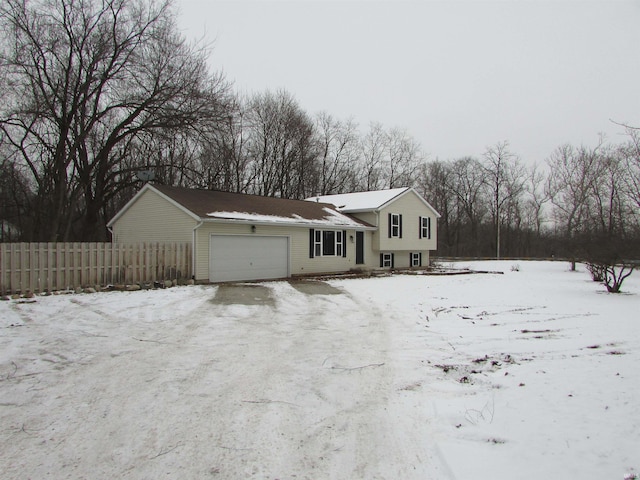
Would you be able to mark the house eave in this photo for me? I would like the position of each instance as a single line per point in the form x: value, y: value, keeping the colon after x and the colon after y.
x: 308, y: 224
x: 402, y: 194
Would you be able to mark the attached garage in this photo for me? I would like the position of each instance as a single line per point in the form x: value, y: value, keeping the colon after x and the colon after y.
x: 248, y: 257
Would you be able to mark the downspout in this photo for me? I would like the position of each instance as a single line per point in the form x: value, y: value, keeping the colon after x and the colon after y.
x: 378, y: 229
x: 193, y: 250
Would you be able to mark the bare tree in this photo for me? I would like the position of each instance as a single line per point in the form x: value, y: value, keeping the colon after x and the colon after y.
x: 223, y: 159
x: 280, y: 145
x: 610, y: 210
x: 504, y: 177
x: 574, y: 172
x: 631, y: 154
x: 373, y: 146
x: 337, y: 147
x: 536, y: 198
x: 467, y: 182
x: 434, y: 184
x: 403, y: 159
x: 14, y: 199
x: 91, y: 78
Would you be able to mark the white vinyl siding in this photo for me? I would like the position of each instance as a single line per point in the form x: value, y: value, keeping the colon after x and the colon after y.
x: 152, y: 218
x: 299, y: 261
x: 411, y: 207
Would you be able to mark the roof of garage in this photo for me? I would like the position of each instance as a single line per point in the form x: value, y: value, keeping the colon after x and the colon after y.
x: 217, y: 205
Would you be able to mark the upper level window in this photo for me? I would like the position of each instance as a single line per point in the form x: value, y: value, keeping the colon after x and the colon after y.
x: 395, y: 225
x: 425, y: 227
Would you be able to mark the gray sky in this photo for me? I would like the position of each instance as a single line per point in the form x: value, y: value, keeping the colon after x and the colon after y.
x: 457, y: 75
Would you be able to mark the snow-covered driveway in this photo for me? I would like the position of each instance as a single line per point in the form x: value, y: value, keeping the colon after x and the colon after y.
x: 522, y: 375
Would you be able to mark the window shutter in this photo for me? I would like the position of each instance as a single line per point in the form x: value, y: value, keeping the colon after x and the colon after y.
x: 392, y: 262
x: 419, y: 227
x: 381, y: 260
x: 400, y: 224
x: 420, y: 259
x: 410, y: 259
x: 428, y: 227
x: 390, y: 229
x: 312, y: 238
x: 344, y: 243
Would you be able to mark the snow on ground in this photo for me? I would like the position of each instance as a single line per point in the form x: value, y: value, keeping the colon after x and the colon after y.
x: 530, y: 374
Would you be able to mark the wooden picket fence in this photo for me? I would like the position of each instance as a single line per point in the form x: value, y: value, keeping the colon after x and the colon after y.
x: 41, y: 267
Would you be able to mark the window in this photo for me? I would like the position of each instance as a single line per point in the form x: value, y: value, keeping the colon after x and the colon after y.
x: 395, y: 225
x: 425, y: 227
x: 386, y: 260
x: 416, y: 259
x: 317, y: 243
x: 326, y: 243
x: 339, y: 243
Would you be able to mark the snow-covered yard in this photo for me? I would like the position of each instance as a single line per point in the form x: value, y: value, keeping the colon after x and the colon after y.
x: 527, y: 375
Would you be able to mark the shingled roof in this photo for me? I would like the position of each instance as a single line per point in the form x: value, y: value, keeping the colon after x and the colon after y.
x: 212, y: 204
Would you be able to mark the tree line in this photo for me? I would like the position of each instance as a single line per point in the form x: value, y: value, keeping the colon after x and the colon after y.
x: 99, y: 93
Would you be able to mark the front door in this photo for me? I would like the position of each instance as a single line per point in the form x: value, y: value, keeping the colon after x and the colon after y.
x: 359, y: 248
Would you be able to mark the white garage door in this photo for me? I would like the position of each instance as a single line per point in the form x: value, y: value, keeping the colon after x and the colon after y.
x: 247, y: 257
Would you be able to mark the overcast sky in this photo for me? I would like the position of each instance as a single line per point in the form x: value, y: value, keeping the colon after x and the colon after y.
x: 457, y: 75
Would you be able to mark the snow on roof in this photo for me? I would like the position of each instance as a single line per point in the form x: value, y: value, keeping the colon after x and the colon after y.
x: 360, y: 201
x: 213, y: 205
x: 333, y: 218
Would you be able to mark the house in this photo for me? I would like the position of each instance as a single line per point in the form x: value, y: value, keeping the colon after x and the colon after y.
x: 248, y: 237
x: 406, y: 225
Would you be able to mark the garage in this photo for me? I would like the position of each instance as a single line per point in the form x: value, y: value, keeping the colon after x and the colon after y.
x: 248, y: 257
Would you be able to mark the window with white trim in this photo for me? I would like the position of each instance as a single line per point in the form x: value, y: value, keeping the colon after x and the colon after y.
x: 386, y: 260
x: 326, y: 243
x: 317, y: 243
x: 416, y: 259
x: 425, y: 227
x: 394, y: 218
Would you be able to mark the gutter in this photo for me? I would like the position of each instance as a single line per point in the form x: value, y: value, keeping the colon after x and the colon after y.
x: 285, y: 224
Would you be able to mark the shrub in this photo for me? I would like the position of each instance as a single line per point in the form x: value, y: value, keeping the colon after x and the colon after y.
x: 614, y: 275
x: 596, y: 270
